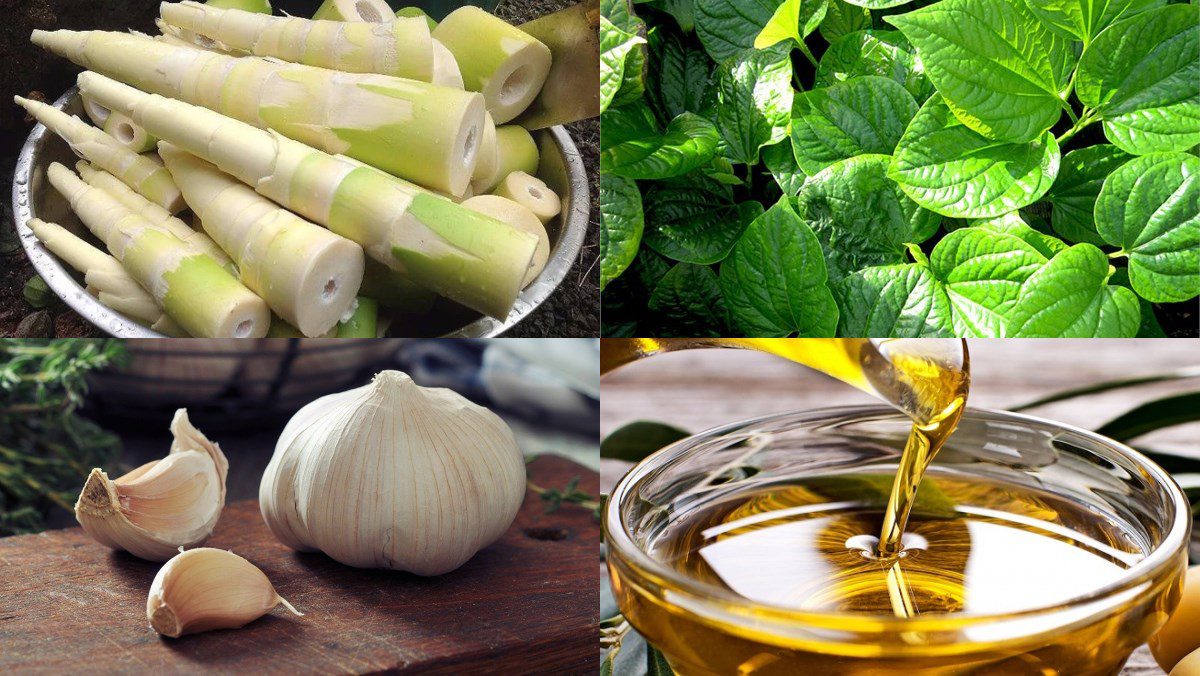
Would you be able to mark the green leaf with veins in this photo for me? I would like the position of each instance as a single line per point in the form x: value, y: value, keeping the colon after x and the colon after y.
x: 1012, y: 224
x: 1150, y: 207
x: 875, y: 52
x: 1070, y: 298
x: 636, y: 440
x: 860, y: 116
x: 754, y: 102
x: 1084, y: 19
x: 792, y: 20
x: 615, y: 48
x: 621, y: 224
x: 946, y: 167
x: 1141, y: 76
x: 728, y: 28
x: 679, y: 76
x: 695, y: 223
x: 843, y: 18
x: 682, y: 11
x: 999, y: 69
x: 633, y: 147
x: 1149, y: 327
x: 781, y: 162
x: 1073, y: 195
x: 860, y: 217
x: 687, y: 303
x: 982, y: 273
x: 893, y: 301
x: 620, y: 13
x: 774, y: 280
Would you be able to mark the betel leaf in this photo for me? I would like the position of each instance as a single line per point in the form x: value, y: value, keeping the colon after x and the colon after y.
x: 615, y: 46
x: 947, y: 167
x: 878, y: 4
x: 1073, y: 195
x: 792, y: 20
x: 998, y: 68
x: 774, y: 280
x: 983, y: 273
x: 860, y: 217
x: 728, y: 28
x: 683, y: 11
x: 1084, y: 19
x: 687, y: 303
x: 843, y: 18
x: 679, y: 76
x: 636, y: 440
x: 1012, y: 224
x: 620, y: 13
x: 875, y: 52
x: 1150, y: 207
x: 754, y: 101
x: 621, y: 224
x: 696, y: 222
x: 859, y: 116
x: 634, y: 148
x: 1070, y: 298
x: 893, y: 301
x: 1149, y: 327
x: 781, y: 162
x: 1140, y: 75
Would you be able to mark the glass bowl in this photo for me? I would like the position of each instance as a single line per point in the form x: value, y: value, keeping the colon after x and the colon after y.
x: 703, y: 628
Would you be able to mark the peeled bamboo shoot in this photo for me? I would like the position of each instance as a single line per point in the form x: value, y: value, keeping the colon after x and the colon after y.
x: 421, y: 132
x: 129, y: 134
x: 506, y: 64
x: 402, y: 47
x: 366, y: 11
x: 409, y: 12
x: 306, y: 274
x: 97, y: 114
x: 200, y: 295
x: 151, y: 211
x: 395, y: 291
x: 147, y: 177
x: 515, y: 151
x: 521, y: 218
x: 532, y: 193
x: 467, y: 257
x: 259, y: 6
x: 363, y: 323
x: 445, y: 68
x: 104, y: 276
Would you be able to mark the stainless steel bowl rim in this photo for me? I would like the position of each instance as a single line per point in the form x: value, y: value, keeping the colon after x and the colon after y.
x: 62, y: 282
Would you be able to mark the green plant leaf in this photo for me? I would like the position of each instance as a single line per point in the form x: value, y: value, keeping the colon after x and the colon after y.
x: 875, y: 52
x: 1073, y: 195
x: 878, y: 4
x: 754, y: 102
x: 859, y: 116
x: 656, y: 664
x: 946, y: 167
x: 621, y: 224
x: 774, y: 280
x: 983, y: 273
x: 728, y: 28
x: 687, y: 303
x: 632, y: 146
x: 1070, y: 298
x: 792, y: 20
x: 1150, y: 207
x: 843, y: 18
x: 893, y: 301
x: 695, y: 223
x: 636, y: 440
x: 1154, y: 415
x: 781, y: 162
x: 860, y: 217
x: 683, y: 11
x: 615, y: 48
x: 1149, y: 326
x: 1012, y: 224
x: 620, y: 13
x: 1140, y: 75
x: 999, y: 69
x: 679, y: 76
x: 1084, y: 19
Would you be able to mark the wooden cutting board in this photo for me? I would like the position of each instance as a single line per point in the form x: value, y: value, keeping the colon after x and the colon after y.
x: 527, y: 604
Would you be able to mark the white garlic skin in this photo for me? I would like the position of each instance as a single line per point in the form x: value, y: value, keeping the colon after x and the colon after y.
x: 394, y: 475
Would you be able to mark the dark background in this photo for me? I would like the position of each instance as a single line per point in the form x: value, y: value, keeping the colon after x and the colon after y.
x: 574, y: 310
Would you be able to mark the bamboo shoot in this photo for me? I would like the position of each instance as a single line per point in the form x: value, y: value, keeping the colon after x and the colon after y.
x: 532, y: 193
x: 129, y: 134
x: 515, y: 151
x: 366, y: 11
x: 521, y: 218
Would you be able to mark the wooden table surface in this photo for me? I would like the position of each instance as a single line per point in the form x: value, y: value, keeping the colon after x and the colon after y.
x: 528, y: 603
x: 700, y: 389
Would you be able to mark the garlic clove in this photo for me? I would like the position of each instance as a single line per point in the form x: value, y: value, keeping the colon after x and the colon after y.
x: 205, y: 589
x: 163, y: 505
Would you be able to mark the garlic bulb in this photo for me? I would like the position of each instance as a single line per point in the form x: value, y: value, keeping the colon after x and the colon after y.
x: 163, y: 505
x: 203, y: 589
x: 394, y: 475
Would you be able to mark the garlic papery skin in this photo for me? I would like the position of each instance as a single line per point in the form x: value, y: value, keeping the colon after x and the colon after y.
x: 394, y: 475
x: 204, y: 589
x: 163, y: 505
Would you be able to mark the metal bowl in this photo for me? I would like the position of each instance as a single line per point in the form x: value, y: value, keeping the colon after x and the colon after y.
x: 562, y: 169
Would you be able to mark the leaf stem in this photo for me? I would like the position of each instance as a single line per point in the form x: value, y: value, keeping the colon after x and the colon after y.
x: 807, y: 54
x: 1118, y: 254
x: 1088, y: 117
